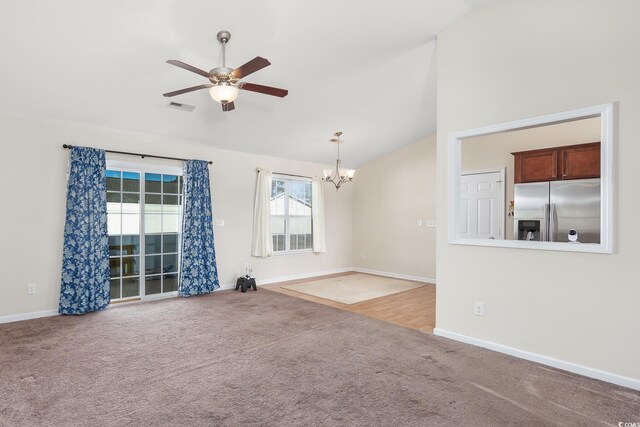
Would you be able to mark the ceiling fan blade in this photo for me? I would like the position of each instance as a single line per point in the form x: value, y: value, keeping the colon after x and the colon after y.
x: 228, y: 106
x: 257, y: 63
x: 189, y: 89
x: 189, y: 68
x: 267, y: 90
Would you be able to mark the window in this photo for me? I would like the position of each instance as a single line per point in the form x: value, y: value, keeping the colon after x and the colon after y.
x: 144, y: 212
x: 291, y: 225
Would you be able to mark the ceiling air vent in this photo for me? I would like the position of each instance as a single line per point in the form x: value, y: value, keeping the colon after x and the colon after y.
x: 183, y: 107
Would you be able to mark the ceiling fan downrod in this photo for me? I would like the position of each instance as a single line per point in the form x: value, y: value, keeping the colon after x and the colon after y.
x: 223, y: 37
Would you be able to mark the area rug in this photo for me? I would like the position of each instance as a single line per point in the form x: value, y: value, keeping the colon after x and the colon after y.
x: 353, y: 288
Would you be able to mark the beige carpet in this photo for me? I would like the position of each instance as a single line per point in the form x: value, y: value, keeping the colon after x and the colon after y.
x: 268, y: 359
x: 353, y: 288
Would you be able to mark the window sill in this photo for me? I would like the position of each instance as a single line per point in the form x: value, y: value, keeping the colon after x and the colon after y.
x: 287, y: 253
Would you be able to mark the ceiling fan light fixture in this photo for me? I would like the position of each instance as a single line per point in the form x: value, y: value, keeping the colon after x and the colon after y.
x: 224, y: 93
x: 225, y: 82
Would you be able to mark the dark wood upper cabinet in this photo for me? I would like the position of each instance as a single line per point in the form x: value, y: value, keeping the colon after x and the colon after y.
x: 557, y: 163
x: 536, y: 165
x: 580, y: 161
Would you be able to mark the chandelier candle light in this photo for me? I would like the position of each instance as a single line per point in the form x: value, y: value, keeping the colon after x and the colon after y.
x: 338, y: 176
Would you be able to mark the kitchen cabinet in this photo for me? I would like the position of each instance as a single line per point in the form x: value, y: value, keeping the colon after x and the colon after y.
x: 580, y: 161
x: 557, y: 163
x: 536, y: 165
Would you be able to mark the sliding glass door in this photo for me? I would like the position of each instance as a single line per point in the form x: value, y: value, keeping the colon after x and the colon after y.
x: 144, y: 215
x: 163, y: 203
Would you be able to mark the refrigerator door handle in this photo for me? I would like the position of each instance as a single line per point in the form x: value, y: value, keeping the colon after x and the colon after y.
x: 552, y: 223
x: 544, y: 233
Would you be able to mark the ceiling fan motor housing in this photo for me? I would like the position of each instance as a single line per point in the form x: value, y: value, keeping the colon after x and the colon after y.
x: 221, y: 74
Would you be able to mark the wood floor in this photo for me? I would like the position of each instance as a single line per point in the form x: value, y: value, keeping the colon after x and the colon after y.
x: 415, y: 308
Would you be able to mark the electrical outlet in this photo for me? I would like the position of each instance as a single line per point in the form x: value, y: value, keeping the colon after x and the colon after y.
x: 219, y: 222
x: 478, y: 308
x: 431, y: 223
x: 31, y: 288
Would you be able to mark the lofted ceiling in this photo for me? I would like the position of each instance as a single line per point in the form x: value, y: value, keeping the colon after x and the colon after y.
x: 366, y: 68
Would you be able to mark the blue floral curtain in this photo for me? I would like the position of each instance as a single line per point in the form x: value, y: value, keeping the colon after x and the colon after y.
x: 198, y: 272
x: 85, y: 260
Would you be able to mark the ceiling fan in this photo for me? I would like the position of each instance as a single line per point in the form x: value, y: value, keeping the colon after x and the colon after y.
x: 226, y: 82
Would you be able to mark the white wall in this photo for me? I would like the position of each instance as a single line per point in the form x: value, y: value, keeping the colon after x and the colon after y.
x: 33, y: 169
x: 523, y: 59
x: 390, y: 195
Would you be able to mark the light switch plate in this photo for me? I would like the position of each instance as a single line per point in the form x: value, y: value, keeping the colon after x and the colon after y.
x: 219, y: 222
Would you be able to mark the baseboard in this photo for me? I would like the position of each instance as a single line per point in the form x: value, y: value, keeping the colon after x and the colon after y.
x: 27, y: 316
x: 395, y: 275
x: 47, y: 313
x: 261, y: 282
x: 544, y: 360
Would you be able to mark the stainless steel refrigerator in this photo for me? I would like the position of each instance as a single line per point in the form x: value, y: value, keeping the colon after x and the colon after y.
x: 549, y: 211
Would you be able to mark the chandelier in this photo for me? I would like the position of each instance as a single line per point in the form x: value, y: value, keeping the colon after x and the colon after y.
x: 338, y: 176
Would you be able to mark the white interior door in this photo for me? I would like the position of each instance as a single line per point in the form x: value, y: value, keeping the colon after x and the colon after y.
x: 481, y: 206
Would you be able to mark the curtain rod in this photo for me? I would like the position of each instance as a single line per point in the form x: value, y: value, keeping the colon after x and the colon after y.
x: 137, y: 154
x: 287, y: 174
